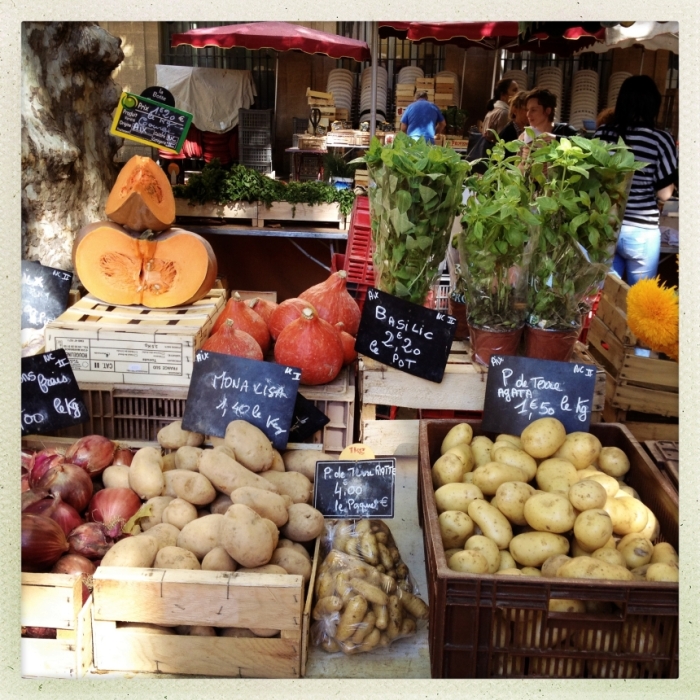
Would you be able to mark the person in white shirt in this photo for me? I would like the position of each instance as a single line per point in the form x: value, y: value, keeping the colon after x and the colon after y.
x: 498, y: 110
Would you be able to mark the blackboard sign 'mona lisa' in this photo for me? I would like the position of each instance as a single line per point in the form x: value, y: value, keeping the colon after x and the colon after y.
x: 355, y: 490
x: 44, y: 293
x: 51, y: 398
x: 520, y: 390
x: 151, y: 123
x: 405, y: 336
x: 307, y: 420
x: 225, y: 388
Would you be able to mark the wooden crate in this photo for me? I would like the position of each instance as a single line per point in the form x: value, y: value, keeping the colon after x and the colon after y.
x: 222, y: 599
x: 133, y: 344
x: 317, y: 214
x: 665, y: 454
x: 463, y: 388
x: 56, y: 601
x: 246, y: 211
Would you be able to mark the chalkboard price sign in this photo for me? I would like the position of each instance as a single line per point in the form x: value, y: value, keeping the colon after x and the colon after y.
x: 355, y: 490
x: 406, y: 336
x: 150, y: 122
x: 51, y: 398
x: 520, y: 390
x: 44, y: 293
x: 307, y: 420
x: 225, y: 388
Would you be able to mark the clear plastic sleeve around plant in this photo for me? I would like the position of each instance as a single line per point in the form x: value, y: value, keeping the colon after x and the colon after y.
x: 365, y: 597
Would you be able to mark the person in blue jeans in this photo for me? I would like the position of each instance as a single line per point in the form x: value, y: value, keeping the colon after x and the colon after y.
x: 639, y: 241
x: 422, y: 118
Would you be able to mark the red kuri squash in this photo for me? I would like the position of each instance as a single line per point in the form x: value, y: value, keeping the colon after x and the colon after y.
x: 286, y: 312
x: 245, y: 319
x: 349, y: 352
x: 263, y: 308
x: 230, y: 341
x: 333, y: 302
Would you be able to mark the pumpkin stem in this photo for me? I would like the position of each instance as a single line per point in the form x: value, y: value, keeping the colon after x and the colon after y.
x: 307, y: 312
x: 147, y: 235
x: 236, y: 296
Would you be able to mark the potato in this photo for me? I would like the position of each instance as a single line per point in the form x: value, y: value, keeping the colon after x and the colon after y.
x: 636, y: 550
x: 585, y: 473
x: 372, y: 594
x: 293, y: 484
x: 464, y: 452
x: 164, y: 534
x: 530, y: 571
x: 178, y: 513
x: 236, y: 632
x: 551, y: 565
x: 610, y: 555
x: 175, y: 558
x: 556, y: 474
x: 456, y: 496
x: 610, y: 484
x: 226, y: 474
x: 305, y: 523
x: 506, y: 453
x: 664, y: 553
x: 455, y: 528
x: 187, y: 457
x: 488, y: 477
x: 481, y: 449
x: 587, y: 495
x: 220, y: 504
x: 304, y: 461
x: 116, y: 476
x: 265, y: 569
x: 145, y: 474
x: 273, y: 531
x: 252, y: 447
x: 143, y: 628
x: 447, y: 469
x: 172, y: 437
x: 652, y: 529
x: 613, y: 461
x: 245, y: 536
x: 512, y: 439
x: 534, y: 548
x: 460, y: 433
x: 543, y: 437
x: 352, y: 616
x: 158, y: 504
x: 167, y: 462
x: 467, y: 478
x: 326, y: 606
x: 296, y: 546
x: 661, y: 571
x: 581, y: 449
x: 588, y: 567
x: 510, y: 499
x: 639, y: 514
x: 365, y: 628
x: 218, y: 559
x: 192, y: 487
x: 452, y: 550
x: 265, y: 503
x: 513, y: 571
x: 139, y: 551
x: 223, y: 447
x: 549, y: 512
x: 201, y: 535
x: 292, y: 562
x: 491, y: 521
x: 488, y: 548
x: 593, y: 528
x: 469, y: 561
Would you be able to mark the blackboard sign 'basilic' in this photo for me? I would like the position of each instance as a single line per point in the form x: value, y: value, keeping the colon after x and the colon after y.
x: 417, y: 193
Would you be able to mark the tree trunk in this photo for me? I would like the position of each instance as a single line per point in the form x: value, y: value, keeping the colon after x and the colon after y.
x: 68, y: 168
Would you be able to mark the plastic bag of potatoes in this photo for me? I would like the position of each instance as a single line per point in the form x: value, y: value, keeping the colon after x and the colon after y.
x: 365, y: 597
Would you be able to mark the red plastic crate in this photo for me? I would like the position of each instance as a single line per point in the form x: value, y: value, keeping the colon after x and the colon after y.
x: 586, y: 321
x: 358, y: 254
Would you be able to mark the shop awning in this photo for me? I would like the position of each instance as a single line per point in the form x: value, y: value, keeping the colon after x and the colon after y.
x: 279, y: 36
x: 464, y: 34
x: 560, y: 38
x: 650, y: 35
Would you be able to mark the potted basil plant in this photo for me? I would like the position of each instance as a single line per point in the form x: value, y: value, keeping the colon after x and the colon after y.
x: 497, y: 225
x: 579, y: 188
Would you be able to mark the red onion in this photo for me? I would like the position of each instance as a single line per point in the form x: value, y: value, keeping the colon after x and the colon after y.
x: 113, y: 507
x: 43, y: 461
x: 27, y: 461
x: 72, y: 483
x: 32, y: 496
x: 25, y: 482
x: 73, y: 564
x: 62, y: 513
x: 39, y: 632
x: 123, y: 456
x: 90, y: 540
x: 43, y: 541
x: 93, y: 453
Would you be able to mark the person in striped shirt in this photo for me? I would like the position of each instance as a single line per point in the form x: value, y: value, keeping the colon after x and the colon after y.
x: 639, y: 241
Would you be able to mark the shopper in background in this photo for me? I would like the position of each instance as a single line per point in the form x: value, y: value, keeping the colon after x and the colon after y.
x: 498, y: 110
x: 605, y: 116
x: 541, y: 105
x: 422, y: 118
x: 518, y: 117
x: 639, y: 242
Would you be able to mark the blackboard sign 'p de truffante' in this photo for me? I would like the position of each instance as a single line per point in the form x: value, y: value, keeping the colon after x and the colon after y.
x: 520, y: 390
x: 355, y: 490
x: 225, y: 388
x: 405, y: 336
x: 51, y: 398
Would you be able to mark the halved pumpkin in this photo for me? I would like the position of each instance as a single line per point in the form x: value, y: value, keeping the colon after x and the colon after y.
x: 119, y: 266
x: 142, y: 197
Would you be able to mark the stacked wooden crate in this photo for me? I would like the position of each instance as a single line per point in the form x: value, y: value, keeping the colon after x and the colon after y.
x: 323, y: 101
x: 639, y: 381
x: 427, y: 85
x: 445, y: 92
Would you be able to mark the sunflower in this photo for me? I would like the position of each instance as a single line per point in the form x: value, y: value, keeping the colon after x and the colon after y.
x: 652, y: 315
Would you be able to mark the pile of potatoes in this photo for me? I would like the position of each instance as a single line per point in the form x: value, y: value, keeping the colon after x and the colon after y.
x: 545, y: 504
x: 364, y: 594
x: 240, y: 506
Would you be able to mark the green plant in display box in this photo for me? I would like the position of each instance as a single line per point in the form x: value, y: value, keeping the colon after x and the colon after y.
x: 579, y: 188
x: 415, y: 194
x: 497, y: 224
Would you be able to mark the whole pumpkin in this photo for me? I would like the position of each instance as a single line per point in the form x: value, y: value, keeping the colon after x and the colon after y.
x: 228, y: 340
x: 333, y: 302
x: 245, y: 319
x: 287, y: 311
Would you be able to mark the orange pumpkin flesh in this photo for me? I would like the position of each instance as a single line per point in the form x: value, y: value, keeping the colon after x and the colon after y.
x: 142, y: 197
x: 117, y: 266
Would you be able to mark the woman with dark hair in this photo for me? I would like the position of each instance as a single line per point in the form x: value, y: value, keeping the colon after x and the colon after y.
x: 498, y: 110
x: 639, y: 242
x: 518, y: 117
x: 541, y: 105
